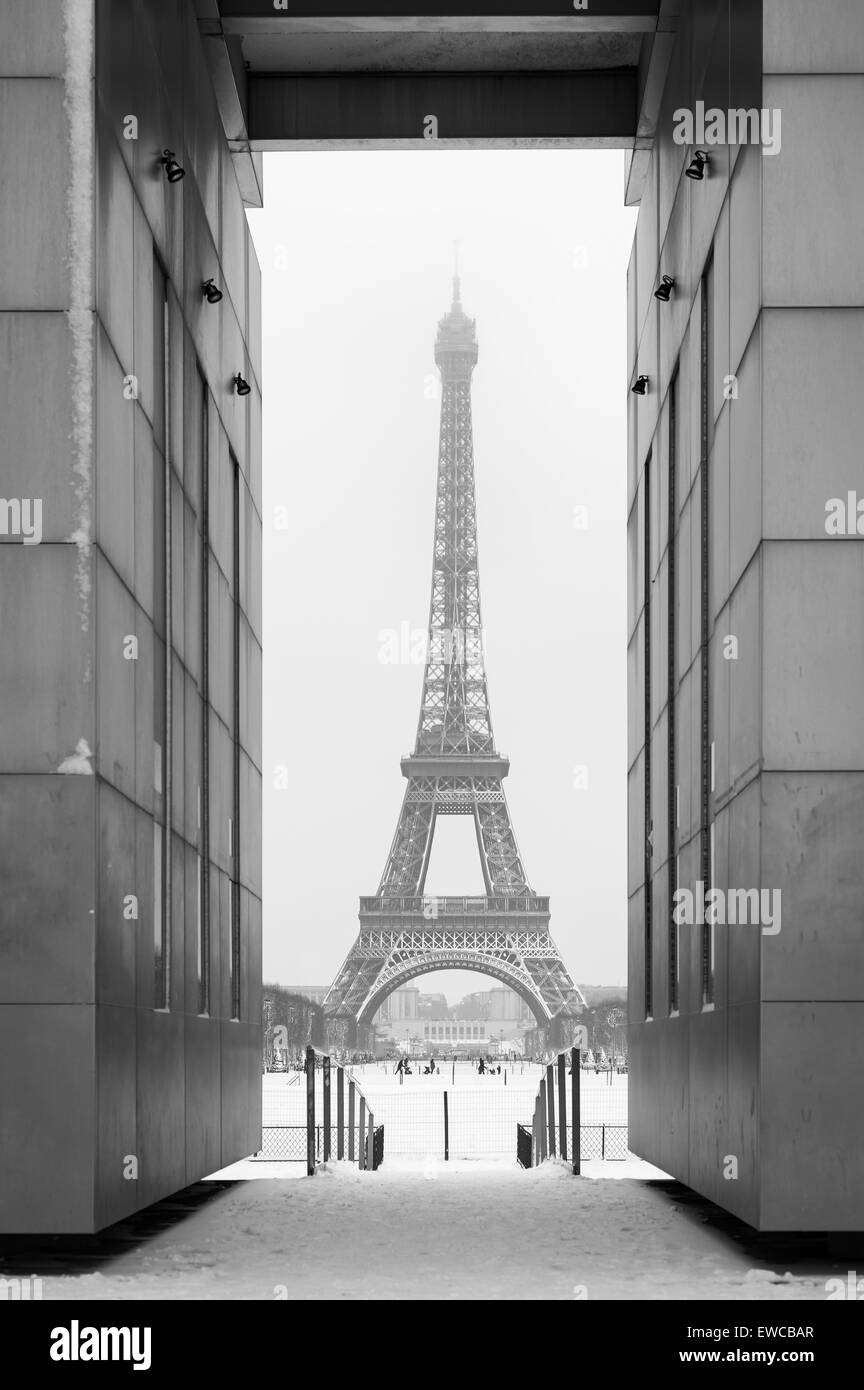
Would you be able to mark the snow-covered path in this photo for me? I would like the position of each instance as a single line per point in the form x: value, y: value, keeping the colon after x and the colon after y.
x: 429, y: 1230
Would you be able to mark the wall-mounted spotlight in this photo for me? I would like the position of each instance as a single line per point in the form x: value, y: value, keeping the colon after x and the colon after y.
x: 173, y: 171
x: 241, y: 385
x: 664, y: 289
x: 696, y: 168
x: 640, y: 386
x: 210, y: 292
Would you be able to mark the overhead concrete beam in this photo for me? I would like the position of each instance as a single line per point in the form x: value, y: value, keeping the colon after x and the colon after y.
x: 228, y: 75
x: 653, y: 69
x: 603, y: 15
x: 584, y: 108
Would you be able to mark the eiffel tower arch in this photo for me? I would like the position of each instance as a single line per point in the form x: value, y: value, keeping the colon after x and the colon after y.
x: 454, y: 770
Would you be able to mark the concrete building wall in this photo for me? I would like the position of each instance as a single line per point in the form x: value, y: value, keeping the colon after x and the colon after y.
x: 751, y: 1050
x: 129, y: 1004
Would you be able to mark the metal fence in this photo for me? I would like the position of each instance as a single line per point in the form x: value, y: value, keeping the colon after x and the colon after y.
x: 595, y: 1141
x: 299, y: 1125
x: 287, y: 1144
x: 559, y: 1114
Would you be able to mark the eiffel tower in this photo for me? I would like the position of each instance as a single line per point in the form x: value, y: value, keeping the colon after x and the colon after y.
x: 455, y: 770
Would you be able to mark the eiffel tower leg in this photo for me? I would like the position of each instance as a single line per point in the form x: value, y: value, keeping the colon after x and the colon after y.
x: 499, y: 853
x: 405, y: 872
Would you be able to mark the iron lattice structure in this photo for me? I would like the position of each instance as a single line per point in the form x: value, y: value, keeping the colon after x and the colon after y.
x: 454, y: 770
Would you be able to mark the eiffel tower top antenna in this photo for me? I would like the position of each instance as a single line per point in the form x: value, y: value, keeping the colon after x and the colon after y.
x: 456, y: 285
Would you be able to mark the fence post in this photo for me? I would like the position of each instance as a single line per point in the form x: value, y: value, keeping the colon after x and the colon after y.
x: 361, y: 1133
x: 562, y: 1106
x: 351, y: 1089
x: 310, y: 1112
x: 326, y: 1108
x: 536, y: 1130
x: 575, y: 1086
x: 340, y: 1112
x: 542, y: 1119
x: 370, y: 1144
x: 550, y: 1105
x: 446, y: 1130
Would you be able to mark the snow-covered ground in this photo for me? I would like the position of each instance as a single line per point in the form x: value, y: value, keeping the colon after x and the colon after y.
x: 419, y: 1230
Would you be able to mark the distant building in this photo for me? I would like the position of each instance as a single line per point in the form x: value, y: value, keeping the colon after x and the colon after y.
x: 314, y: 993
x: 433, y: 1006
x: 443, y: 1033
x: 402, y: 1004
x: 603, y: 994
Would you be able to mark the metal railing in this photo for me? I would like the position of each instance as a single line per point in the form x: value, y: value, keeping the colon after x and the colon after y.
x: 351, y: 1134
x: 457, y: 906
x: 551, y: 1133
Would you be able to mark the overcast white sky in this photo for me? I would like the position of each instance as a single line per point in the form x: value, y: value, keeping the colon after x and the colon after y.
x: 356, y: 258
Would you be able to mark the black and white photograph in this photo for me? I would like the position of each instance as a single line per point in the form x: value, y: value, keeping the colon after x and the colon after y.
x: 431, y: 675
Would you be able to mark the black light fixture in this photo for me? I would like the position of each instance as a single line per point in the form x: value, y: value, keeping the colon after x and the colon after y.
x: 173, y: 171
x: 696, y: 168
x: 241, y: 385
x: 640, y: 386
x: 664, y: 289
x: 210, y: 292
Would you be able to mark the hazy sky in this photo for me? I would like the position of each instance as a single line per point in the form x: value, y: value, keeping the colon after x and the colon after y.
x: 356, y: 254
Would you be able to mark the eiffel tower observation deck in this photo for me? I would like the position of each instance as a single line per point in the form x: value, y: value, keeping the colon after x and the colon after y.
x: 455, y: 769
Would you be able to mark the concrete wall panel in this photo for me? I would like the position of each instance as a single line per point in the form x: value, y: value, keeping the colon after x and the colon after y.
x: 161, y: 1123
x: 250, y: 825
x: 675, y: 261
x: 251, y: 695
x: 118, y: 882
x: 203, y: 1097
x: 744, y: 871
x: 635, y: 706
x: 31, y: 40
x: 820, y: 115
x: 813, y: 666
x: 811, y: 1161
x: 235, y: 1075
x: 719, y: 505
x: 741, y: 1140
x: 47, y: 1050
x: 115, y: 465
x: 44, y: 693
x: 49, y: 899
x: 813, y: 362
x: 745, y: 263
x: 251, y: 560
x: 647, y: 247
x: 36, y: 418
x: 673, y: 1125
x: 115, y: 271
x: 709, y: 1133
x: 115, y: 681
x: 33, y: 143
x: 799, y: 37
x: 636, y: 825
x: 812, y: 827
x: 721, y: 677
x: 116, y: 1187
x: 745, y: 461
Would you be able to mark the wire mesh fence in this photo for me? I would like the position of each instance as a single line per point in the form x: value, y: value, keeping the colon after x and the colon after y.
x: 326, y: 1117
x: 287, y: 1143
x: 482, y: 1112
